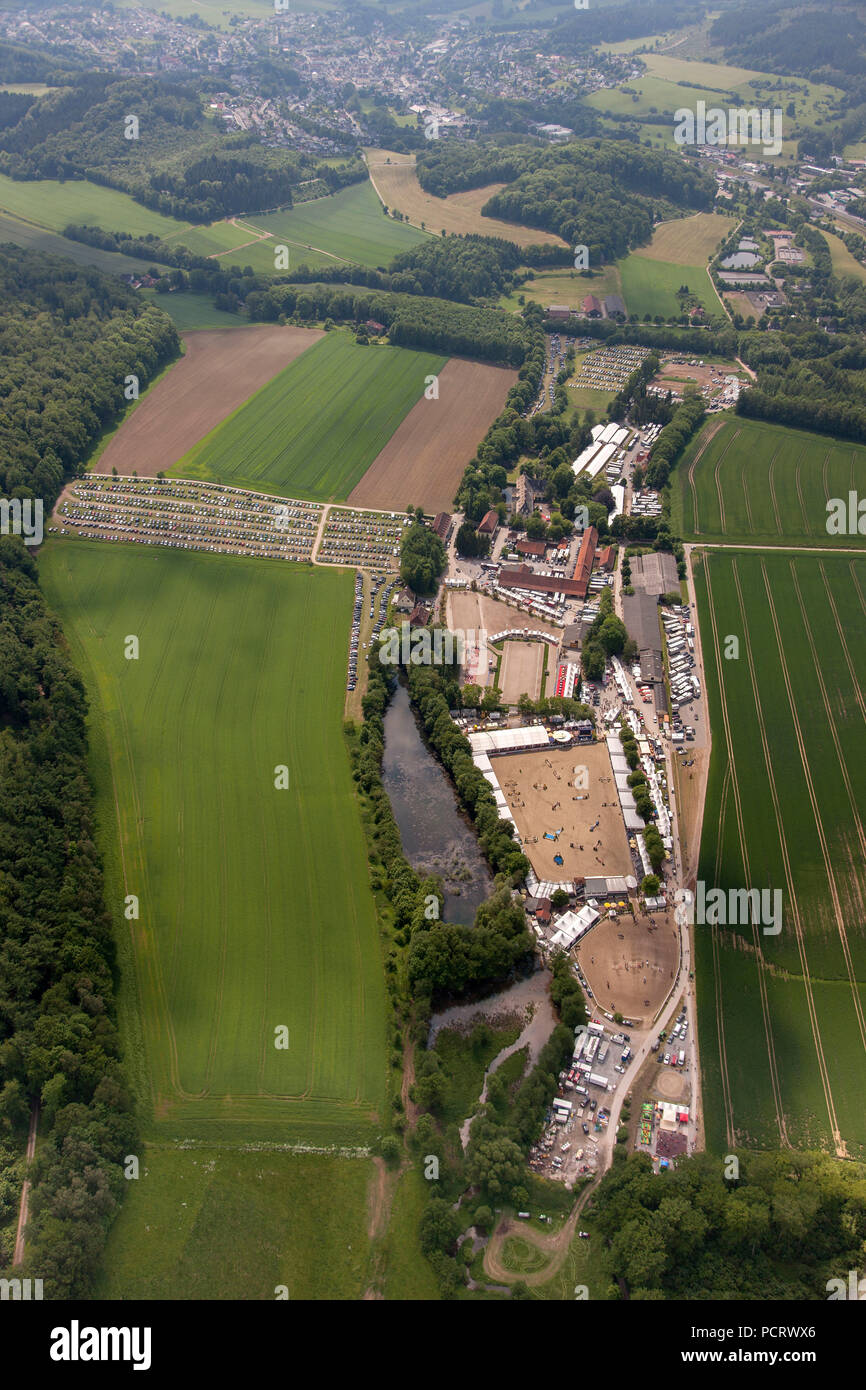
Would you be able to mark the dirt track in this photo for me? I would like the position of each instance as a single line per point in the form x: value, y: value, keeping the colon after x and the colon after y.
x: 423, y: 461
x: 221, y: 368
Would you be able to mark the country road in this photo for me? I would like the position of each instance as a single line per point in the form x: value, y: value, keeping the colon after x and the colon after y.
x: 18, y: 1255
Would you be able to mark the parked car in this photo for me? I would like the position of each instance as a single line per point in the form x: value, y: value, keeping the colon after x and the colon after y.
x: 585, y: 1127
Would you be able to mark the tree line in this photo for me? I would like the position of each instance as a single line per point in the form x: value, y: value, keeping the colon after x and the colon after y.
x: 411, y: 320
x: 69, y: 336
x: 59, y: 1044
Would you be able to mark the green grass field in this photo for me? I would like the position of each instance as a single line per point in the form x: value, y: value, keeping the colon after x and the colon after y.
x: 842, y: 260
x: 254, y: 908
x: 193, y: 311
x: 314, y: 430
x: 53, y: 204
x: 349, y: 225
x: 34, y: 238
x: 649, y: 286
x: 761, y: 483
x: 783, y: 1017
x: 209, y: 1223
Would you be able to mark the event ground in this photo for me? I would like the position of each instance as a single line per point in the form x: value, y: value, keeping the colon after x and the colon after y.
x: 631, y: 963
x: 535, y: 783
x: 521, y: 670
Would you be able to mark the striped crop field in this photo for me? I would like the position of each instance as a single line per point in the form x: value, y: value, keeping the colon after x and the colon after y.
x: 783, y: 1016
x: 315, y: 429
x: 254, y: 911
x: 749, y: 482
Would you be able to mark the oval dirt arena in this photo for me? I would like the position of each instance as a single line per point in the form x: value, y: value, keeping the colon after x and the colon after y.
x: 616, y: 969
x: 221, y: 368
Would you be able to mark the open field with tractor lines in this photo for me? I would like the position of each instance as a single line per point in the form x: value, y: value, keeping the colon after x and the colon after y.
x: 253, y: 907
x: 315, y: 429
x: 757, y: 483
x: 783, y: 1016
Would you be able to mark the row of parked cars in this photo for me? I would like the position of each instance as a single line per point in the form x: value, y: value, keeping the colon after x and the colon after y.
x: 356, y: 631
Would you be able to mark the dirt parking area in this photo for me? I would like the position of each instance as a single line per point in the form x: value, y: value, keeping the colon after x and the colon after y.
x: 221, y: 368
x: 631, y: 963
x: 521, y: 669
x: 424, y: 460
x: 587, y: 823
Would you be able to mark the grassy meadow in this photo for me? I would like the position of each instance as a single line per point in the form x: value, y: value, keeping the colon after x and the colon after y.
x: 761, y: 483
x: 254, y: 913
x: 314, y: 430
x: 210, y: 1223
x: 54, y: 204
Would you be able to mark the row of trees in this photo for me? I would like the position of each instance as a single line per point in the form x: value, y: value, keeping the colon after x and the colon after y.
x: 412, y: 321
x: 59, y: 1043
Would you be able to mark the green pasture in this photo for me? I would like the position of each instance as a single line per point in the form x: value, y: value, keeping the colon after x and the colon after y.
x: 650, y: 286
x: 209, y: 1223
x: 190, y: 311
x: 316, y: 427
x: 34, y: 238
x: 348, y: 226
x: 254, y: 910
x: 764, y: 484
x: 797, y: 760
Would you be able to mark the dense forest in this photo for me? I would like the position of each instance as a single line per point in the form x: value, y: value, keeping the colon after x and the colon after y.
x: 802, y: 37
x: 58, y: 1038
x: 177, y: 163
x: 780, y: 1230
x: 605, y: 195
x: 69, y: 336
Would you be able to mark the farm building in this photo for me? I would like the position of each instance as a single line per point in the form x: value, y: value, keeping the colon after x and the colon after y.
x: 655, y: 573
x: 534, y: 549
x: 442, y: 525
x: 523, y: 578
x: 591, y: 307
x: 488, y: 524
x: 559, y: 311
x: 614, y: 306
x: 585, y: 557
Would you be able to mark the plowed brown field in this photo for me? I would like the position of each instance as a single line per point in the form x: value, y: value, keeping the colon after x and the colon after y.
x: 221, y: 369
x: 423, y: 462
